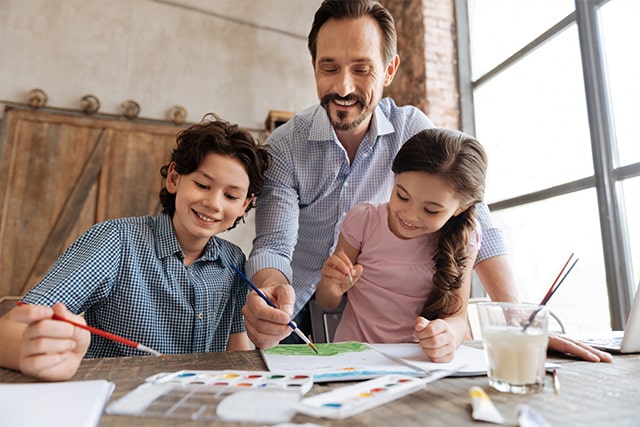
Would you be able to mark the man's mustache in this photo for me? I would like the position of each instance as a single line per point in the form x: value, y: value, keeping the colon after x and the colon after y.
x: 335, y: 97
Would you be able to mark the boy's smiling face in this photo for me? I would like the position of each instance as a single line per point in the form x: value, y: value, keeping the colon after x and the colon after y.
x: 208, y: 200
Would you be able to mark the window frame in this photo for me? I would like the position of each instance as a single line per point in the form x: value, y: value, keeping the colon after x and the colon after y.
x: 608, y: 175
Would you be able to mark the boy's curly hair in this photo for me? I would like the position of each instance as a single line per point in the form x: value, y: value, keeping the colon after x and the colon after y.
x: 215, y: 135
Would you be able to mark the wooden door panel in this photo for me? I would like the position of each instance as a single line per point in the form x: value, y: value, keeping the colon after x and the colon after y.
x: 60, y: 173
x: 74, y: 203
x: 43, y: 162
x: 130, y: 184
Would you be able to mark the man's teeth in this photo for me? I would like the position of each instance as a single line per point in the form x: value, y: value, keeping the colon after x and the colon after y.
x: 345, y: 103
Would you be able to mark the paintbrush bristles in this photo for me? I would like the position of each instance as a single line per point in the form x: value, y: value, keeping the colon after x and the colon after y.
x: 305, y: 339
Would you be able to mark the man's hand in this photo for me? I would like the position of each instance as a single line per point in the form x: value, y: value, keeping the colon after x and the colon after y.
x: 267, y: 326
x: 567, y: 345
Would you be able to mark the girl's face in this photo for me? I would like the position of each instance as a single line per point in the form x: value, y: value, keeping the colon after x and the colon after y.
x: 208, y: 200
x: 420, y: 204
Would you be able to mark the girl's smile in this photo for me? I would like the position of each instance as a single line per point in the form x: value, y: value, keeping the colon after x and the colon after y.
x: 406, y: 225
x: 420, y: 204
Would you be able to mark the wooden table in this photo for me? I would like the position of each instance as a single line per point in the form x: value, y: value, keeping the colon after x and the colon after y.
x: 591, y: 394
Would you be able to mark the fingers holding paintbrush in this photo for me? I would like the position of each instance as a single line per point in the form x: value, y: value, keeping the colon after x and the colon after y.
x: 353, y: 273
x: 61, y: 314
x: 49, y: 349
x: 266, y: 325
x: 339, y: 269
x: 269, y: 302
x: 338, y: 275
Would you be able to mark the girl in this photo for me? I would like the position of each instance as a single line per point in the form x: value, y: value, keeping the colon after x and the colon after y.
x: 407, y: 264
x: 163, y: 281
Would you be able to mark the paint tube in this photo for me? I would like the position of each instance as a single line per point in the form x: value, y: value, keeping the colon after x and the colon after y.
x: 483, y: 408
x: 529, y: 417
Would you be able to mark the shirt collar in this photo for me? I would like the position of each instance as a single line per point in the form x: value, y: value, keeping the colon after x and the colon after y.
x: 322, y: 129
x: 167, y: 243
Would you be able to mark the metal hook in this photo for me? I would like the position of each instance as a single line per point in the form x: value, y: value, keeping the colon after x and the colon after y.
x: 37, y: 98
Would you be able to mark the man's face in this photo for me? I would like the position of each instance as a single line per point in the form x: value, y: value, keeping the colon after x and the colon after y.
x: 350, y: 71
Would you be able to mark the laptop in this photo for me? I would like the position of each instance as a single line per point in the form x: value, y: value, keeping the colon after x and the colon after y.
x: 627, y: 341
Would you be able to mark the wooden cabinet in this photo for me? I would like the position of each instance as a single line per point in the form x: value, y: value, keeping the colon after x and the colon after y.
x: 274, y: 119
x: 61, y: 173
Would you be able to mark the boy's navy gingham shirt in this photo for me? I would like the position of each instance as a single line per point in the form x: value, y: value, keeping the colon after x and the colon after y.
x: 127, y: 275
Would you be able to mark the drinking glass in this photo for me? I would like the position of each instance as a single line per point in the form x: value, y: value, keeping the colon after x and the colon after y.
x: 515, y: 339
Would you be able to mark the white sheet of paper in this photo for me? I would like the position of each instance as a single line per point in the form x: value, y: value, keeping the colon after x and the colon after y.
x: 471, y: 359
x: 357, y: 365
x: 59, y: 404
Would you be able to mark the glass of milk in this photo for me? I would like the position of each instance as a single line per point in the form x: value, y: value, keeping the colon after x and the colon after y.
x: 515, y: 340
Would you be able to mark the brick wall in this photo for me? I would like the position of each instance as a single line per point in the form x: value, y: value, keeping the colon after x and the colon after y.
x: 427, y: 77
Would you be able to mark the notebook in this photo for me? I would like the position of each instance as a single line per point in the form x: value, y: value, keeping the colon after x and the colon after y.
x: 627, y: 341
x: 55, y: 404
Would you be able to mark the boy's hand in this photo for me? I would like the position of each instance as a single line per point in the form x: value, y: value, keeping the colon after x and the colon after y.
x: 50, y: 349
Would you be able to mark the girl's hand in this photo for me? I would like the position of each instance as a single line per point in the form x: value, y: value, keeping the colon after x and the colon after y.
x: 436, y: 339
x: 335, y: 279
x: 339, y: 274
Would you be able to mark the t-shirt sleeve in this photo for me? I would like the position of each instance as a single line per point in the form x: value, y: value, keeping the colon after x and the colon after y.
x: 354, y: 224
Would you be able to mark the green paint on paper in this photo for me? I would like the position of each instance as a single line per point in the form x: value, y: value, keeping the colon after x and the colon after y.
x: 329, y: 349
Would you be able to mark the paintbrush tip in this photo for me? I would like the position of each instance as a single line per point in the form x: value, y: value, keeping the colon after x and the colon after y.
x: 149, y: 350
x: 313, y: 347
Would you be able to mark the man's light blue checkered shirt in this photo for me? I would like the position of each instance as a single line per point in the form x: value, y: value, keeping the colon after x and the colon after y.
x: 311, y: 186
x: 127, y: 275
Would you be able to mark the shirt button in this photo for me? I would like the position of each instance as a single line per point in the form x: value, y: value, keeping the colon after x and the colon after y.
x: 191, y: 274
x: 201, y: 316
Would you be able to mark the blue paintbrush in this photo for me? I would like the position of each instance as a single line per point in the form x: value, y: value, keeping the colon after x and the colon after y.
x: 268, y: 301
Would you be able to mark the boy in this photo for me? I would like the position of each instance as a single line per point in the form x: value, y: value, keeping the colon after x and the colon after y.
x: 163, y: 281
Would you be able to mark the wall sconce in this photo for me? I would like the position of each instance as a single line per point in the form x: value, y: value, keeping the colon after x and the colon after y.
x: 37, y: 98
x: 130, y: 109
x: 178, y: 114
x: 89, y: 104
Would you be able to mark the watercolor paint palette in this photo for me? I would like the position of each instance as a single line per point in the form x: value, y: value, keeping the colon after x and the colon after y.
x: 350, y: 400
x: 232, y: 380
x: 196, y: 395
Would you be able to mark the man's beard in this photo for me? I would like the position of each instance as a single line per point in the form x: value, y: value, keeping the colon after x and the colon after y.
x: 340, y: 124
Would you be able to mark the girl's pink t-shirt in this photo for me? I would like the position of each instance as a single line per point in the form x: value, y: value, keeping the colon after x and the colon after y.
x: 397, y: 278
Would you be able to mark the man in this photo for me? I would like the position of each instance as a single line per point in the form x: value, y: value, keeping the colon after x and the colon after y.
x: 332, y: 156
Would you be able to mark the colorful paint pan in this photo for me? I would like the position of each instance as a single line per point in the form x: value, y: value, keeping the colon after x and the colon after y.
x: 230, y: 380
x: 347, y: 401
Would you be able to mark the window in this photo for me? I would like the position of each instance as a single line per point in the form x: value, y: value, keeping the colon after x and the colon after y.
x: 552, y: 90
